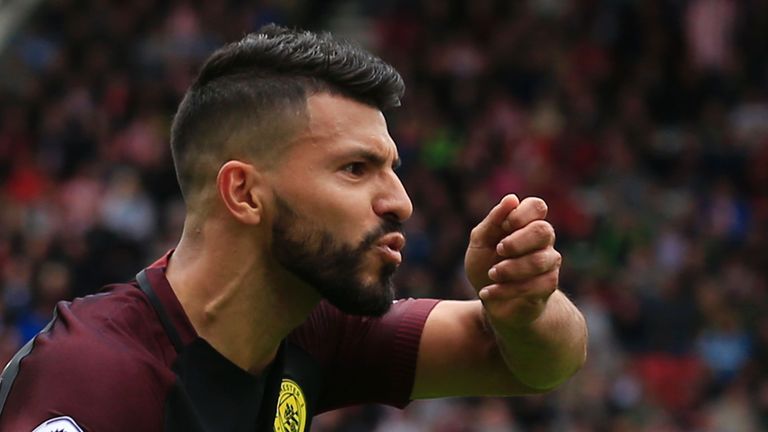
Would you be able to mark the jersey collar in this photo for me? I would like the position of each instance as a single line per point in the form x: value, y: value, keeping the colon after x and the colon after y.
x: 167, y: 298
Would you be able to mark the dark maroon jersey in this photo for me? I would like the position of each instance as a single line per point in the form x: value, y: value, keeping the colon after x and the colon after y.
x: 128, y: 359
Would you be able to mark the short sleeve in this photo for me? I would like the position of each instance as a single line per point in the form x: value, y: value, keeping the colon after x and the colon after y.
x: 364, y: 359
x: 69, y: 373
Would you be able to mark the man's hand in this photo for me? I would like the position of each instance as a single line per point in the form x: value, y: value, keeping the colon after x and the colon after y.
x: 512, y: 263
x: 538, y: 337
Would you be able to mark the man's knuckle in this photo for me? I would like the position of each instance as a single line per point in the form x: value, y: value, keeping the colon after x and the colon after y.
x: 540, y: 262
x: 558, y: 258
x: 540, y: 205
x: 503, y: 271
x: 509, y: 247
x: 475, y: 233
x: 549, y: 231
x: 542, y: 229
x: 553, y: 278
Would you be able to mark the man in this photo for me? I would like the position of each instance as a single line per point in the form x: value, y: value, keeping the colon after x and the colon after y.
x: 277, y: 302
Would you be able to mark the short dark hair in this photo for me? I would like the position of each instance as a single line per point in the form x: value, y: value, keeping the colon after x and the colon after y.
x: 245, y: 86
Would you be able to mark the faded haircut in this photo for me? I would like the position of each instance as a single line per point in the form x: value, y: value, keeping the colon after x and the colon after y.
x: 250, y: 94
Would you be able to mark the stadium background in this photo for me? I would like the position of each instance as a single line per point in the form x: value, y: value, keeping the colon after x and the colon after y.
x: 644, y: 124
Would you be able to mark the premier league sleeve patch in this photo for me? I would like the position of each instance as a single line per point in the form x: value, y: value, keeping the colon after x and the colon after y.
x: 59, y: 424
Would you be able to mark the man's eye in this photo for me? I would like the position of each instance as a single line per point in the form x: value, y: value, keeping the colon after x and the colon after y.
x: 355, y: 168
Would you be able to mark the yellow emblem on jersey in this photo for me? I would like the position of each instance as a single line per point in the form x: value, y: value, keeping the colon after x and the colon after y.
x: 291, y: 408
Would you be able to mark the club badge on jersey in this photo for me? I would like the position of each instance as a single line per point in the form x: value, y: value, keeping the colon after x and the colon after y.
x: 291, y: 413
x: 59, y: 424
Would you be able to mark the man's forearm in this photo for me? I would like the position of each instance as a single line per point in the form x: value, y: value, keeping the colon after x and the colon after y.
x: 547, y: 351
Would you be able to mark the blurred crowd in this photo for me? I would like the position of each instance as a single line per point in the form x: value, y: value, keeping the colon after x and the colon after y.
x: 643, y: 124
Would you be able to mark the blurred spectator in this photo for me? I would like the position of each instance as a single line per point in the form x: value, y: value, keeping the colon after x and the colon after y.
x: 126, y: 209
x: 644, y: 125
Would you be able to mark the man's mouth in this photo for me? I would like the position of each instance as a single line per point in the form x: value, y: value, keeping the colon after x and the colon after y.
x: 390, y: 246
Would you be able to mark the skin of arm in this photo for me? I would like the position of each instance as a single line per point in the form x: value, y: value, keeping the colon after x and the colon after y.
x: 523, y: 336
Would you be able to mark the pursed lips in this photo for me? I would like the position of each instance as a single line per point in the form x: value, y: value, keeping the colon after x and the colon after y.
x: 391, y: 245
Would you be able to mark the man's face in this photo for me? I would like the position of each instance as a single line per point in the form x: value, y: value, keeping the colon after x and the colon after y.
x: 339, y: 206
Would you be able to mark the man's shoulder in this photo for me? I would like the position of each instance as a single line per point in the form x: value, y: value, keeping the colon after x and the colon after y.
x: 115, y: 326
x: 97, y: 353
x: 364, y: 359
x: 120, y: 319
x: 324, y: 324
x: 327, y: 329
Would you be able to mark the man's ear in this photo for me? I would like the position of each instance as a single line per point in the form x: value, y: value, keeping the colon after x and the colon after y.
x: 240, y: 186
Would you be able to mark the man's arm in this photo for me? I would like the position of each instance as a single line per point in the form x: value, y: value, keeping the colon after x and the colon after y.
x: 524, y: 336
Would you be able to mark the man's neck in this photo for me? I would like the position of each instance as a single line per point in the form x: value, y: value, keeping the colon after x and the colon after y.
x: 238, y: 302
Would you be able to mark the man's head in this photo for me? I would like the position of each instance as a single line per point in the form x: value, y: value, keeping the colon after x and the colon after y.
x: 249, y: 99
x: 284, y: 132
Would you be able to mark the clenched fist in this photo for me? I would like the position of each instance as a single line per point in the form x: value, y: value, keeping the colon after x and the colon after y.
x: 512, y: 263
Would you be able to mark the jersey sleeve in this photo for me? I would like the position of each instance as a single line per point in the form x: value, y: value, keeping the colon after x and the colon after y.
x: 74, y: 380
x: 364, y: 359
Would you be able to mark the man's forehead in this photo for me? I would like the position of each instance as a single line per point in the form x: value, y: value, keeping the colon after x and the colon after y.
x: 342, y: 121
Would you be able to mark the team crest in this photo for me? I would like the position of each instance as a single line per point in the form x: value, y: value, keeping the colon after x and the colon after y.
x: 59, y: 424
x: 291, y: 408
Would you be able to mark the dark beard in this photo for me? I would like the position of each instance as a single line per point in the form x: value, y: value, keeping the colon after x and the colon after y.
x: 331, y: 268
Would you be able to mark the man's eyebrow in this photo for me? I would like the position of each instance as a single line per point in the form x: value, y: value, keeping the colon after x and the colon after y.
x: 375, y: 158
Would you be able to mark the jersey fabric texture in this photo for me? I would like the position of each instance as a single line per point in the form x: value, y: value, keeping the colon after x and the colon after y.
x: 128, y: 359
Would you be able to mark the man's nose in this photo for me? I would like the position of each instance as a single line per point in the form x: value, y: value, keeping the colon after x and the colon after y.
x: 393, y: 201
